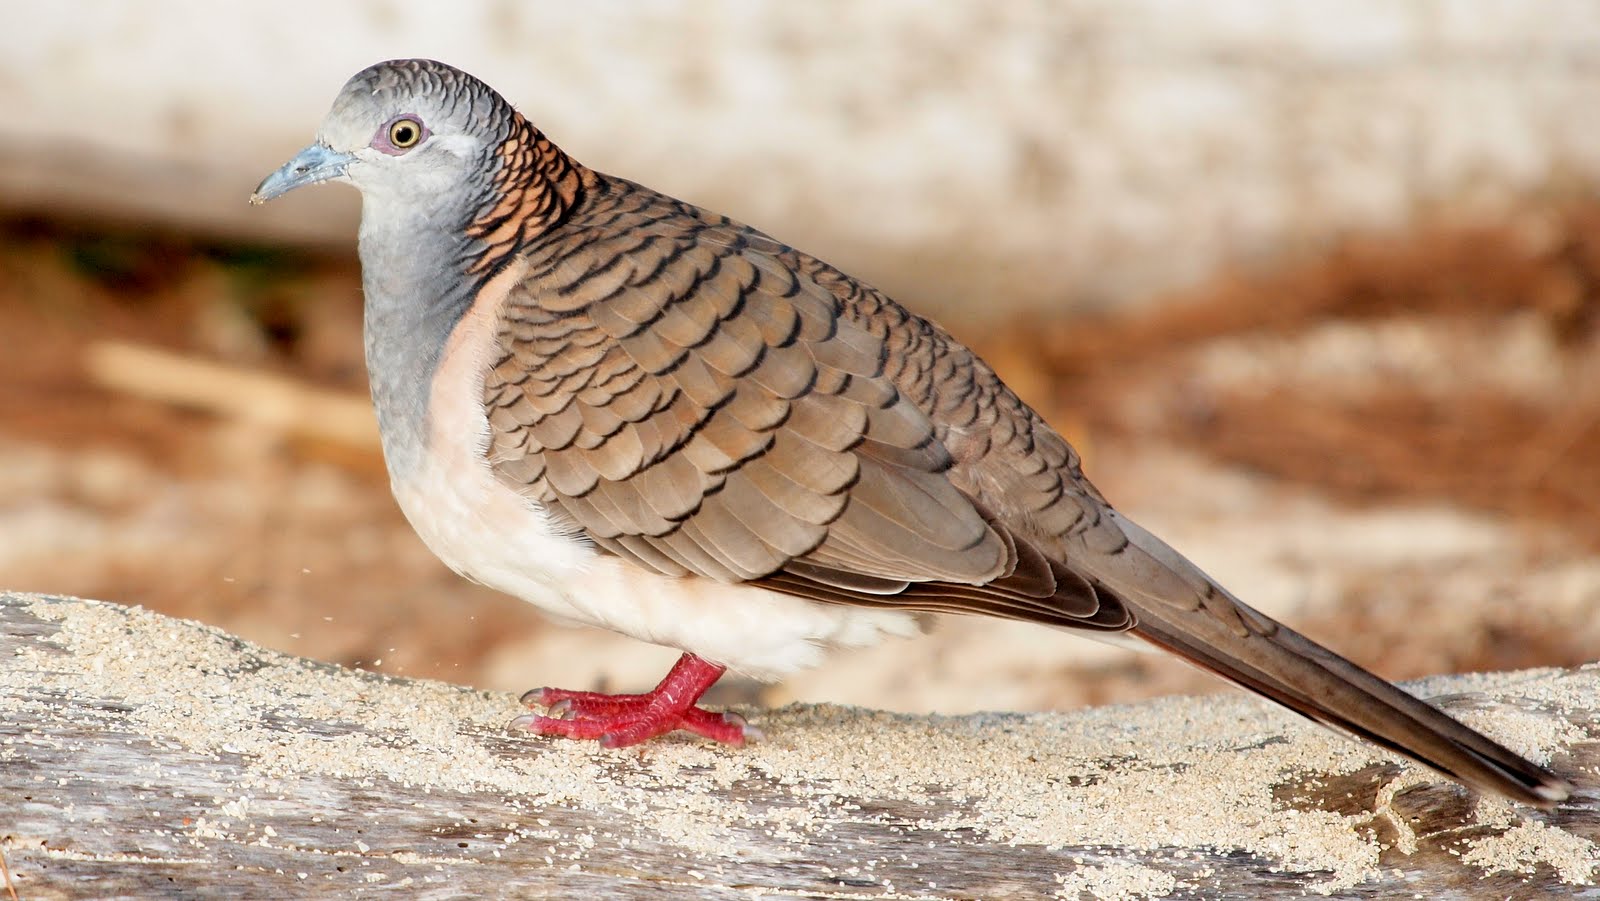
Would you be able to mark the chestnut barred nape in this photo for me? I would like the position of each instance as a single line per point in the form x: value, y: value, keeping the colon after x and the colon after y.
x: 534, y: 185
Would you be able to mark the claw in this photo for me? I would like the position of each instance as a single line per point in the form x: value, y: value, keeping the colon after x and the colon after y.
x: 749, y: 732
x: 533, y: 696
x: 528, y: 721
x: 561, y: 710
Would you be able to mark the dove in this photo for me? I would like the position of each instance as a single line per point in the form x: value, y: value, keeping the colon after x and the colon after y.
x: 643, y: 416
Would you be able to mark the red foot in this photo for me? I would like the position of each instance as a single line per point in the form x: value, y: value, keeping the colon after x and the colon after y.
x: 622, y: 720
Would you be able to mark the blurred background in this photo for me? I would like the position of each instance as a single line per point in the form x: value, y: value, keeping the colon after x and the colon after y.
x: 1315, y: 288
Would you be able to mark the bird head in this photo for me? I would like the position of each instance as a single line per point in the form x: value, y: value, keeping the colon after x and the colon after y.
x: 407, y: 129
x: 429, y: 144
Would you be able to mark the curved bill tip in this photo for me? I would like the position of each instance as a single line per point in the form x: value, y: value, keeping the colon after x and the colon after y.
x: 316, y: 163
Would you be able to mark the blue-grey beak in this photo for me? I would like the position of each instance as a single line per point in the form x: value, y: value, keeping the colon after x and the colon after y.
x: 318, y: 162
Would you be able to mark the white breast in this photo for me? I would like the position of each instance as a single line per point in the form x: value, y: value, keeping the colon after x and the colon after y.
x: 489, y: 533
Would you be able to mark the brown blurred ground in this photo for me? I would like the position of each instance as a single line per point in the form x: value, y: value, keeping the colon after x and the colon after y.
x: 1395, y: 445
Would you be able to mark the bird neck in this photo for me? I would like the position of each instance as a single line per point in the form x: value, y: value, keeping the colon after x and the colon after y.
x: 415, y: 294
x: 422, y: 266
x: 534, y: 187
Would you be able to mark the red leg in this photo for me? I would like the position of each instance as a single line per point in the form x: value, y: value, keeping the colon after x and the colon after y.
x: 622, y: 720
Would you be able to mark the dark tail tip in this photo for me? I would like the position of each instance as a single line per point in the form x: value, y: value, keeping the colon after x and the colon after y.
x: 1316, y: 683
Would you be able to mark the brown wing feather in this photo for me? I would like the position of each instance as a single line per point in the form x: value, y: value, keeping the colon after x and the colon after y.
x: 696, y: 403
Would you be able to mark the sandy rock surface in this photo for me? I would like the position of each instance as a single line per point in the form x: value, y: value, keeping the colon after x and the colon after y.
x: 143, y: 753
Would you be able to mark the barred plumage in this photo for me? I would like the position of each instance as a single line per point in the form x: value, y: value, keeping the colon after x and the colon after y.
x: 729, y: 420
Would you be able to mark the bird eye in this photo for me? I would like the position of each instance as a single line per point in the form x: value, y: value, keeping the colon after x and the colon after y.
x: 398, y: 135
x: 405, y: 133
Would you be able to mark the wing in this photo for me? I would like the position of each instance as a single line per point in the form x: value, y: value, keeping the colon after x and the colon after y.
x: 682, y: 389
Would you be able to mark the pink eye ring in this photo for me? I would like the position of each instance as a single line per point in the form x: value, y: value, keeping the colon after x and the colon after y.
x: 400, y: 134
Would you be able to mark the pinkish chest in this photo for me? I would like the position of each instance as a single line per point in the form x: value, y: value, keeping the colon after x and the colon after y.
x: 475, y: 524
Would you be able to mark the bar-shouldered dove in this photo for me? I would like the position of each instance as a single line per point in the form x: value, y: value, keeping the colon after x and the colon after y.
x: 640, y: 415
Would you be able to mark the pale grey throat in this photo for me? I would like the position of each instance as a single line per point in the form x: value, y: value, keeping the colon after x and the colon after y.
x: 413, y: 262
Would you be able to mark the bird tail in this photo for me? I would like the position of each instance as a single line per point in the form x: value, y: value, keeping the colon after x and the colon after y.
x: 1285, y: 666
x: 1180, y: 609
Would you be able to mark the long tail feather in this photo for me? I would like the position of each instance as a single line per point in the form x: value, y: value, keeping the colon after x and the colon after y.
x: 1285, y: 666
